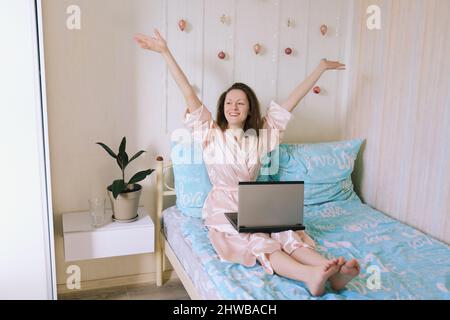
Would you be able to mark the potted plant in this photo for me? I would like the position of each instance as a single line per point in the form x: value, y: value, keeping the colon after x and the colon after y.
x: 124, y: 196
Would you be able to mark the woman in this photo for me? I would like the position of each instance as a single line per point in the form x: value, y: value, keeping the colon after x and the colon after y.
x: 288, y: 253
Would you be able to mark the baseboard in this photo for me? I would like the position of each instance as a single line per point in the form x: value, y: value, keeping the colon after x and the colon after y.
x: 117, y: 282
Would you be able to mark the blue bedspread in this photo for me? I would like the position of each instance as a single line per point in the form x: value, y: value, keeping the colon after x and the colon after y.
x: 411, y: 264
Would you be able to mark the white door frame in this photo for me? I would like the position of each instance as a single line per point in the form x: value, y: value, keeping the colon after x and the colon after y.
x: 47, y: 182
x: 27, y: 254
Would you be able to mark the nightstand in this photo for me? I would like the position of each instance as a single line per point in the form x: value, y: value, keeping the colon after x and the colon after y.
x: 83, y: 241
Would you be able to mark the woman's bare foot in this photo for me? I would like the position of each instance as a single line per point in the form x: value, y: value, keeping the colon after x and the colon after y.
x: 320, y: 275
x: 347, y: 272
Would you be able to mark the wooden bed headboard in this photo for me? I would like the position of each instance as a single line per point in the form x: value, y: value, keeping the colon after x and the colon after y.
x: 163, y: 248
x: 162, y: 190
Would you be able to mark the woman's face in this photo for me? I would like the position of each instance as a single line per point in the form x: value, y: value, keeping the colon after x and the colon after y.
x: 236, y: 108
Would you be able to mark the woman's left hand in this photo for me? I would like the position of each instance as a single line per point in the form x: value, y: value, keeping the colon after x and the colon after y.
x: 331, y: 65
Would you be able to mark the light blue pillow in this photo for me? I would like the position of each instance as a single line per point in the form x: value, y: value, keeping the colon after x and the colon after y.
x: 325, y: 168
x: 192, y: 183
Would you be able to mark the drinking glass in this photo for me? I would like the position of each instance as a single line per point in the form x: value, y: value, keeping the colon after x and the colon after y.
x: 97, y: 211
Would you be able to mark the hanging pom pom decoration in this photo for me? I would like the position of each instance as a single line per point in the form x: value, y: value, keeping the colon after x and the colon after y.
x: 288, y: 51
x: 257, y: 48
x: 316, y: 90
x: 224, y: 19
x: 291, y: 23
x: 221, y: 55
x: 323, y: 29
x: 182, y: 24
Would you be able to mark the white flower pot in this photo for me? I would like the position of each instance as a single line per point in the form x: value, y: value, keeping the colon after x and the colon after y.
x: 125, y: 207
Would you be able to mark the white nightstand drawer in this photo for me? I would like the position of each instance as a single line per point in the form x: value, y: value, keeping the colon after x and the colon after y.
x: 82, y: 241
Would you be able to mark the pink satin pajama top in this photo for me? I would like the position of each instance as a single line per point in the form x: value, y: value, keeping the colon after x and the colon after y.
x: 229, y: 160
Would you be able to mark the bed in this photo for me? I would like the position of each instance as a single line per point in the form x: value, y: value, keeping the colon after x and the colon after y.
x: 397, y: 261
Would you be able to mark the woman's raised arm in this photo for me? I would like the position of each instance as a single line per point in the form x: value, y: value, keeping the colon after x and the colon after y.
x: 158, y: 44
x: 303, y: 88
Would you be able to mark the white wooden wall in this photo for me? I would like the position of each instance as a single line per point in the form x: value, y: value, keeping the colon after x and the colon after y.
x: 400, y: 102
x: 272, y: 74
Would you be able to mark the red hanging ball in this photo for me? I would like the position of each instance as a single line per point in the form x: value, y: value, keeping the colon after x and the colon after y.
x: 288, y: 51
x: 257, y: 48
x: 221, y: 55
x: 316, y: 90
x: 182, y: 24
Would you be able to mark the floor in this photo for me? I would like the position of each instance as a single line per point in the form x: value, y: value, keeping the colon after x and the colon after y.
x: 172, y: 290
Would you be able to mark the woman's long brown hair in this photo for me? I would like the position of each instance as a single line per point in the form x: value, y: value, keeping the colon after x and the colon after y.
x: 254, y: 115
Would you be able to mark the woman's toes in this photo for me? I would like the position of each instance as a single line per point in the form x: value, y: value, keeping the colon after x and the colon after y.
x: 351, y: 268
x: 330, y: 269
x: 346, y: 273
x: 341, y: 261
x: 352, y: 263
x: 330, y: 264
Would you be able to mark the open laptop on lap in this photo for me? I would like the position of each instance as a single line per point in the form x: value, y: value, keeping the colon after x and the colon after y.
x: 272, y: 206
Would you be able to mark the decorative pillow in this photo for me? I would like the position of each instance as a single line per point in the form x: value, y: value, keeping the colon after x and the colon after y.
x: 325, y: 168
x: 192, y: 183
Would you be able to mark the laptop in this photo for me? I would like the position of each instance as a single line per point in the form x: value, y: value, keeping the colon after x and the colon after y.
x: 269, y: 206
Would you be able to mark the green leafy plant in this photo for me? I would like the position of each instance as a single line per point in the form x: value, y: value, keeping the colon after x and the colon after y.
x: 120, y: 186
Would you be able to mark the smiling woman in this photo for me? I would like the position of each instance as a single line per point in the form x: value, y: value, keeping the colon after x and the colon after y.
x: 288, y: 253
x: 238, y: 108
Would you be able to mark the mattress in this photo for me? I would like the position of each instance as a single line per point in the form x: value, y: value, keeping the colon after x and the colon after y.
x: 174, y: 220
x: 397, y: 261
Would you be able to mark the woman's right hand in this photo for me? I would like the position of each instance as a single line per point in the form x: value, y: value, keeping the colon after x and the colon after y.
x: 157, y: 43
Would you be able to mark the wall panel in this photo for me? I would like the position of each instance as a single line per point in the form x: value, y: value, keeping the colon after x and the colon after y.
x: 400, y: 103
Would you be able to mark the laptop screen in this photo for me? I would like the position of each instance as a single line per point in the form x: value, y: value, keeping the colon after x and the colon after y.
x: 277, y: 203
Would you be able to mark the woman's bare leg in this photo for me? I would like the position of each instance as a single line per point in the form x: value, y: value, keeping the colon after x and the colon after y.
x: 347, y: 269
x: 314, y: 277
x: 312, y: 258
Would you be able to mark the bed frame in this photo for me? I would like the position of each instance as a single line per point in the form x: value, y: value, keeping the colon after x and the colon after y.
x: 162, y: 246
